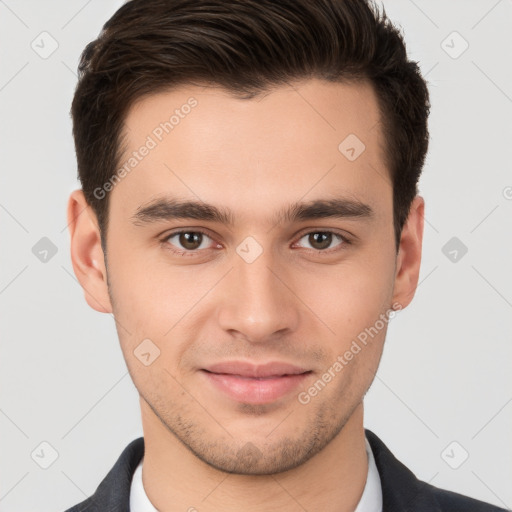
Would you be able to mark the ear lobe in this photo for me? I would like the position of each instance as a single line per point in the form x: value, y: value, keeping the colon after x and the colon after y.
x: 87, y: 254
x: 409, y: 254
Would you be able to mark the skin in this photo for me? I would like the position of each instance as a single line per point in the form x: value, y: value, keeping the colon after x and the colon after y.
x: 293, y: 303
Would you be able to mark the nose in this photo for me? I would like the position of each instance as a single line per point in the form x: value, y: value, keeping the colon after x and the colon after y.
x: 258, y: 302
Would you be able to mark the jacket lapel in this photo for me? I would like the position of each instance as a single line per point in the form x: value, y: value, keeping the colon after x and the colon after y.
x: 113, y: 493
x: 401, y: 490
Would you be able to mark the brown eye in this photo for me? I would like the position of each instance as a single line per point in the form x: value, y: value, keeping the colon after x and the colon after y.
x: 188, y: 241
x: 322, y: 240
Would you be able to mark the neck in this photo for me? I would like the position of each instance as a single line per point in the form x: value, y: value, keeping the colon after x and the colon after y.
x: 176, y: 480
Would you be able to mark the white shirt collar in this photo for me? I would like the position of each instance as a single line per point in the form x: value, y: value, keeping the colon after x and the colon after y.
x: 371, y: 499
x: 139, y: 501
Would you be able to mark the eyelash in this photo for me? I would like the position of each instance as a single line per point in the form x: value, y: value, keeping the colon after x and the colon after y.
x: 165, y: 241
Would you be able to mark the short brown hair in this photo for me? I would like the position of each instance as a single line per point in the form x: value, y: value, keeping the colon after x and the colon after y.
x: 246, y: 47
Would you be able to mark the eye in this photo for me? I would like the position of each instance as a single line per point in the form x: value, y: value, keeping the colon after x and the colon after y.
x: 321, y: 240
x: 183, y: 242
x: 191, y: 242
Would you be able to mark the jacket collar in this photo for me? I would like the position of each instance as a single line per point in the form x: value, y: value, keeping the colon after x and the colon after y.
x: 401, y: 490
x: 113, y: 493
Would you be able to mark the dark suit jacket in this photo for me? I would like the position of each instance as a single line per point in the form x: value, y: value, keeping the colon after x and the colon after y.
x: 401, y: 490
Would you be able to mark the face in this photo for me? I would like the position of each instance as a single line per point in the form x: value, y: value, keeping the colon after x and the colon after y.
x: 252, y: 267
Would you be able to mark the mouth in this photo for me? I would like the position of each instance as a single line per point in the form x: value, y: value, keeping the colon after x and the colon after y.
x: 255, y: 384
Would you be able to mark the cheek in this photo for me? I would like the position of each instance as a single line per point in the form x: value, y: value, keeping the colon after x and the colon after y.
x: 348, y: 297
x: 152, y: 301
x: 150, y: 295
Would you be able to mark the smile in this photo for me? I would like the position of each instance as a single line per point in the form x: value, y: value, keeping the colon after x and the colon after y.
x: 255, y: 384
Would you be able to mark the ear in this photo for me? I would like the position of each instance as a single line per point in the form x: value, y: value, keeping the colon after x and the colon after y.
x: 86, y: 252
x: 409, y: 254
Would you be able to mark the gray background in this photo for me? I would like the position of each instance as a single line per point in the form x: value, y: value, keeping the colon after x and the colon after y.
x: 445, y: 374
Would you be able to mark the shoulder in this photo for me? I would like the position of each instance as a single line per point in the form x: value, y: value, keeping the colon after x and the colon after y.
x: 454, y: 502
x: 402, y: 491
x: 113, y: 493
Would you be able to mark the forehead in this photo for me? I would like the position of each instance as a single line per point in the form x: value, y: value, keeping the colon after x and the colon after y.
x: 305, y: 140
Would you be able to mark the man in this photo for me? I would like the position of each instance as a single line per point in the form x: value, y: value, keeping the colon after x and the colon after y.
x: 249, y: 214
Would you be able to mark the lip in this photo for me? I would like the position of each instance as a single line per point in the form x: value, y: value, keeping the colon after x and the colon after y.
x: 255, y: 383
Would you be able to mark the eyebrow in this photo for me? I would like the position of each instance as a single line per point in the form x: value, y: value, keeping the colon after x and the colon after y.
x: 169, y: 208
